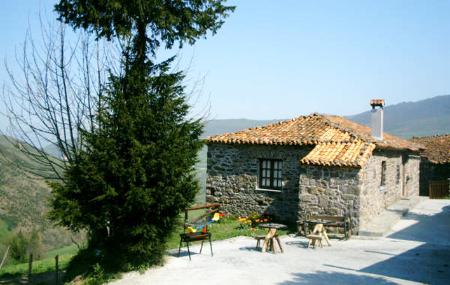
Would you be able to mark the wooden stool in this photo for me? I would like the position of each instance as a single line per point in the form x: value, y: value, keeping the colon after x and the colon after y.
x: 317, y: 235
x: 313, y: 239
x: 270, y: 242
x: 258, y: 240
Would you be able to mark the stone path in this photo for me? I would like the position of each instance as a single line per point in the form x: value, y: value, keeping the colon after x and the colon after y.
x: 416, y: 251
x: 383, y: 223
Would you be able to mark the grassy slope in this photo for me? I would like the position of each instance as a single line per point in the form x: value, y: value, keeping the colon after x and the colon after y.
x: 4, y: 230
x: 25, y: 197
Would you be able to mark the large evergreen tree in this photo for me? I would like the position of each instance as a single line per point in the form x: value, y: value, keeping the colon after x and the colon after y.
x: 135, y: 172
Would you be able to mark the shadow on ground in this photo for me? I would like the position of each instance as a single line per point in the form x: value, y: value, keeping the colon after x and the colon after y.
x: 427, y: 263
x: 429, y: 228
x: 323, y: 277
x: 250, y: 248
x: 37, y: 279
x: 299, y: 243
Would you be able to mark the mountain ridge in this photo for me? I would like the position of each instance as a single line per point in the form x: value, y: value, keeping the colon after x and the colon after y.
x: 426, y: 117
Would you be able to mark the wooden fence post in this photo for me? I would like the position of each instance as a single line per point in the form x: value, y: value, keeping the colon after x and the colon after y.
x: 57, y: 269
x: 30, y: 267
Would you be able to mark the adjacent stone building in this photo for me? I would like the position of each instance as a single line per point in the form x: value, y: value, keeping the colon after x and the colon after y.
x: 316, y: 164
x: 435, y: 163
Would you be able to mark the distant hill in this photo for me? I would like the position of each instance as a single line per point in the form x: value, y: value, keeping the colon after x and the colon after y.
x: 216, y: 127
x: 420, y: 118
x: 25, y: 197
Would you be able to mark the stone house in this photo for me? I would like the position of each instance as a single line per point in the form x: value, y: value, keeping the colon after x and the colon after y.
x: 315, y: 164
x: 435, y: 160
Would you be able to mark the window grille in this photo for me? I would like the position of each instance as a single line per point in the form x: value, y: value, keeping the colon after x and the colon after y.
x: 270, y: 173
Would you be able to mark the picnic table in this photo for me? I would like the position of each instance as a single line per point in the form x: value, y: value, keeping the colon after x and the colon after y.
x: 270, y: 236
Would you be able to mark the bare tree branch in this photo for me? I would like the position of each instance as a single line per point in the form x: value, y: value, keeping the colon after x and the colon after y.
x: 54, y: 93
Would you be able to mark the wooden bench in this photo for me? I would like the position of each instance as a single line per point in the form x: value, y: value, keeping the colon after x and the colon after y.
x: 344, y: 222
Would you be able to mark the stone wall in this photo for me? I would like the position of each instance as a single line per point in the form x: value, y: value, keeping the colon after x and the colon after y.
x: 232, y: 180
x: 402, y: 180
x: 412, y: 175
x: 329, y: 191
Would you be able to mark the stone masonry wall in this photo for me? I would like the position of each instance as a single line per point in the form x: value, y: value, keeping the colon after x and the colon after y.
x: 402, y: 180
x: 329, y: 191
x: 232, y: 180
x: 412, y: 176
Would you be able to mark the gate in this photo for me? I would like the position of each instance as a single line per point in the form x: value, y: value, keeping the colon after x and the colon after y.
x: 438, y: 189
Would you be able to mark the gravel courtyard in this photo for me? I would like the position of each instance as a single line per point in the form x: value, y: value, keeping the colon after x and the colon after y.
x: 417, y: 251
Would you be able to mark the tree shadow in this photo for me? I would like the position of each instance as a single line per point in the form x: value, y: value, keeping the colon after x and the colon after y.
x: 37, y: 279
x: 324, y: 277
x: 428, y: 228
x: 428, y: 262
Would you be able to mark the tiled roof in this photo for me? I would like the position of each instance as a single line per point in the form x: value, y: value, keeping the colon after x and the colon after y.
x: 337, y: 141
x: 354, y: 154
x: 364, y: 132
x: 437, y: 148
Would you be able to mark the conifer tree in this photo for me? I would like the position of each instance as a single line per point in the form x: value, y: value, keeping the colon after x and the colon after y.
x: 135, y: 172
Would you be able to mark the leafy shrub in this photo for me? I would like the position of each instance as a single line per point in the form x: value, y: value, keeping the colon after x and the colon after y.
x: 22, y: 245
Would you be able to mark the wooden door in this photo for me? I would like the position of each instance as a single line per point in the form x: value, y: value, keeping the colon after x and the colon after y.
x: 438, y: 189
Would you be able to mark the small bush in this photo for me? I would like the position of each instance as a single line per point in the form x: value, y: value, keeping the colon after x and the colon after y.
x: 22, y: 245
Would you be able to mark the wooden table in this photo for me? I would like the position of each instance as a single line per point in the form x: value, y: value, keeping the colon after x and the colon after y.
x: 271, y: 236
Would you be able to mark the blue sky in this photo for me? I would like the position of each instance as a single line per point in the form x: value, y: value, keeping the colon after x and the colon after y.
x: 280, y: 59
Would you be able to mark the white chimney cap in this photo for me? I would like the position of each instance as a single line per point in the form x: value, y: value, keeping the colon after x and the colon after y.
x: 377, y: 103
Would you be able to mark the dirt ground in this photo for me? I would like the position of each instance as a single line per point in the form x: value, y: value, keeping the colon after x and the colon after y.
x: 417, y: 251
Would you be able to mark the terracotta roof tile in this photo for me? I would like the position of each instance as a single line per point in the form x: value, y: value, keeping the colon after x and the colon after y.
x: 437, y: 148
x: 364, y: 132
x: 338, y: 141
x: 354, y: 154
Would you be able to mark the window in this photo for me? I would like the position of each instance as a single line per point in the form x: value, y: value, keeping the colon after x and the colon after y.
x: 270, y: 173
x: 383, y: 173
x: 398, y: 174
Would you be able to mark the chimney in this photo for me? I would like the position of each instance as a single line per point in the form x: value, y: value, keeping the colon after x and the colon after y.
x: 376, y: 121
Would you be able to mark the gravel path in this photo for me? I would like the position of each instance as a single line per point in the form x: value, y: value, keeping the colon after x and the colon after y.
x: 417, y: 251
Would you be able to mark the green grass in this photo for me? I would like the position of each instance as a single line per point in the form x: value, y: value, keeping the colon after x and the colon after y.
x: 224, y: 229
x: 47, y: 264
x: 67, y: 250
x: 39, y: 266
